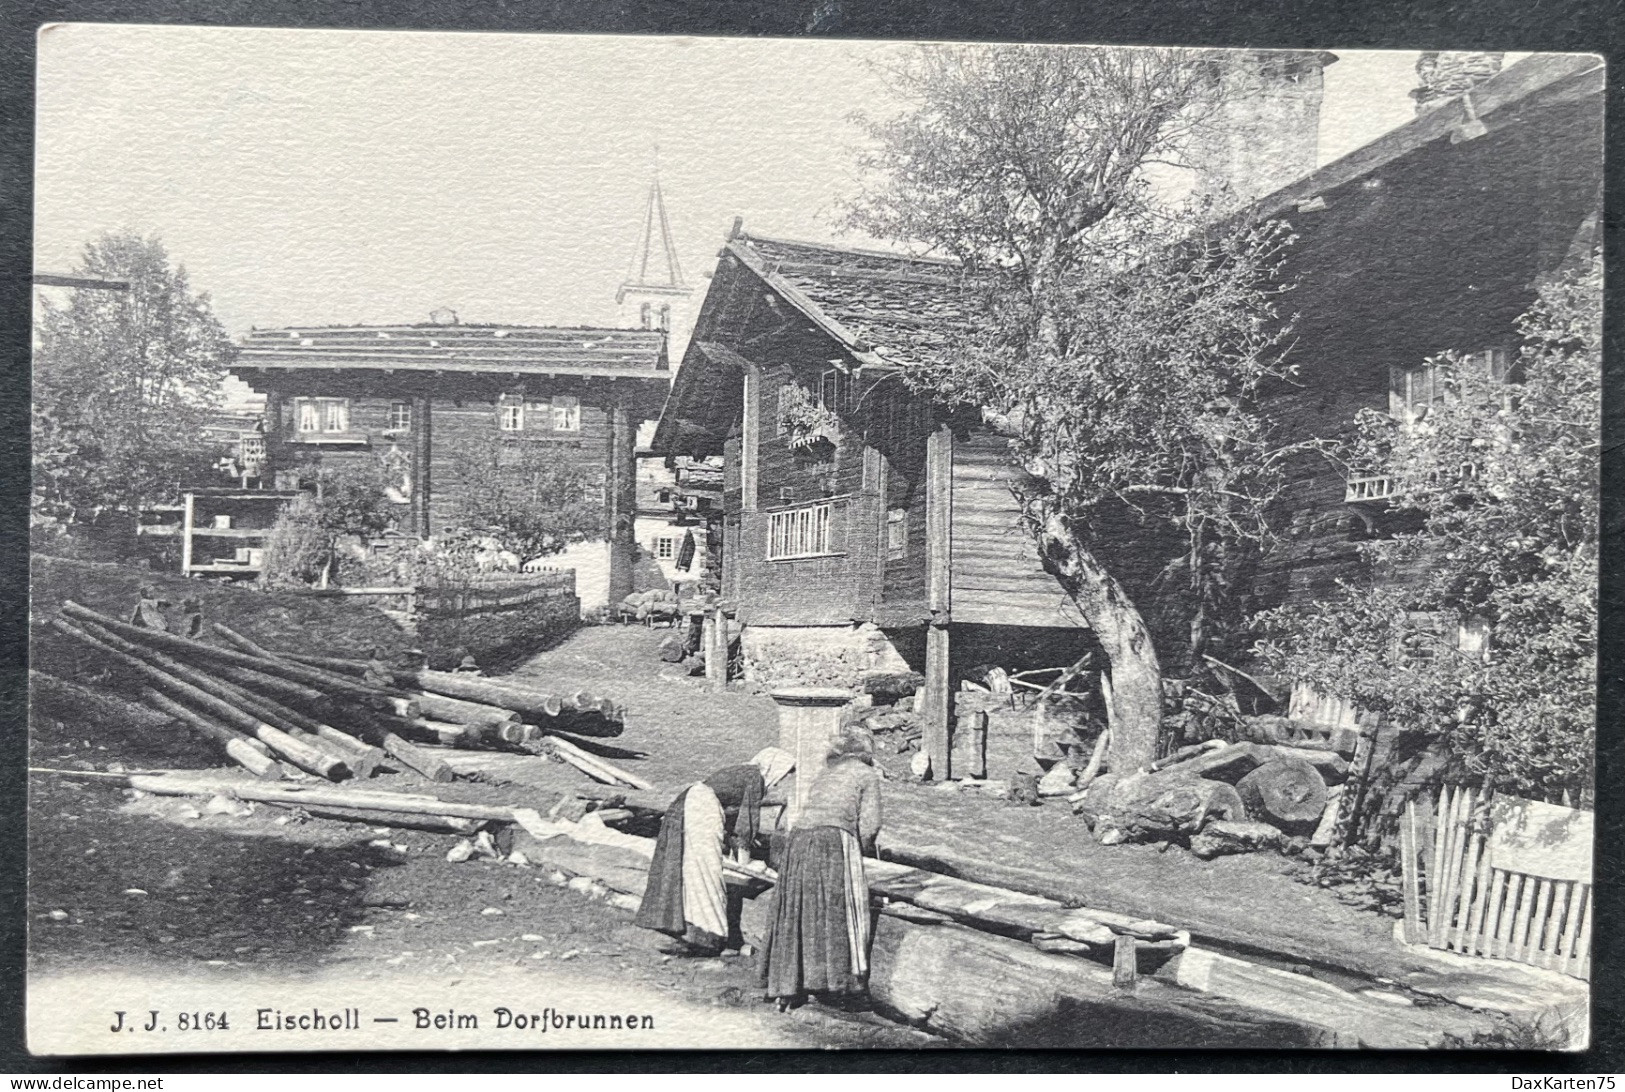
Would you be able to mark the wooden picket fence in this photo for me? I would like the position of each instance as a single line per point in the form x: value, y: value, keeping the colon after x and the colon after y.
x: 1499, y: 877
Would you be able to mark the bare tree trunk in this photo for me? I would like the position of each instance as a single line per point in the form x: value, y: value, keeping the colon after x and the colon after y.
x: 1134, y: 712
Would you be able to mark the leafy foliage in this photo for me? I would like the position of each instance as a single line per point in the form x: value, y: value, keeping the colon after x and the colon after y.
x: 299, y: 549
x: 1503, y: 472
x: 1120, y: 341
x: 805, y: 420
x: 530, y: 501
x: 350, y: 500
x: 123, y: 384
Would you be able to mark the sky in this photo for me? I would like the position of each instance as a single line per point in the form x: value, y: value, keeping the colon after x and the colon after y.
x: 329, y: 177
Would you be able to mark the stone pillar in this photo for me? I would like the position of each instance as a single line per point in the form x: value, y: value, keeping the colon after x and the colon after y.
x: 809, y: 720
x: 622, y: 497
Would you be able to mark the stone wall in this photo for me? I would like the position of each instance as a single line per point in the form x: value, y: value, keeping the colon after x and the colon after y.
x: 498, y: 619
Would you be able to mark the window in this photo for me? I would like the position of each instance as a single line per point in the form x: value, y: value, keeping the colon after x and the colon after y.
x: 511, y: 413
x: 566, y: 413
x: 252, y: 446
x: 665, y: 548
x: 317, y: 415
x: 832, y: 390
x: 798, y: 532
x: 400, y: 416
x: 665, y: 316
x: 787, y: 399
x: 645, y: 316
x: 1412, y: 392
x: 896, y: 534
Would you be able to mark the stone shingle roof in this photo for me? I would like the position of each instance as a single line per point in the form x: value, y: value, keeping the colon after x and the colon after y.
x: 435, y: 347
x: 898, y: 309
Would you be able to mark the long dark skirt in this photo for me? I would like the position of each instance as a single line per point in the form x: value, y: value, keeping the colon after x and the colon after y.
x: 818, y: 933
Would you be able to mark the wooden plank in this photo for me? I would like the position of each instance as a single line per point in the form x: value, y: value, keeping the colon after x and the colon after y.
x: 1011, y: 994
x: 1556, y: 924
x: 1408, y: 877
x: 1571, y: 923
x: 1472, y: 935
x: 1509, y: 914
x: 1518, y: 936
x: 1438, y: 864
x: 1581, y: 965
x: 1450, y: 874
x: 1471, y: 843
x: 1360, y: 1020
x: 1537, y: 929
x: 1487, y: 944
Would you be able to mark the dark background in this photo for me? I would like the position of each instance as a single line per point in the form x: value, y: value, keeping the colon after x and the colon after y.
x: 1513, y: 25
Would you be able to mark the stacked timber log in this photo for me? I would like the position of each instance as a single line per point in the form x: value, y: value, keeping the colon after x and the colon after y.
x: 285, y: 714
x: 1221, y: 798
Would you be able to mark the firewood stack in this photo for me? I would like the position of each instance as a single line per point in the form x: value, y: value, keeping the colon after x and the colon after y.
x: 1220, y: 798
x: 286, y: 714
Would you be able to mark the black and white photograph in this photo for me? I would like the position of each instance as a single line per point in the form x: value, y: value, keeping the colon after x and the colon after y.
x: 550, y: 541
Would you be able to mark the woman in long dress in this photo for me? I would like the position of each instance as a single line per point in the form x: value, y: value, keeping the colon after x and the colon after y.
x: 686, y: 897
x: 819, y: 926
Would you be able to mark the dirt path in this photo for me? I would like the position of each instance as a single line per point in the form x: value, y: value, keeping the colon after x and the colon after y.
x: 151, y: 893
x: 154, y: 889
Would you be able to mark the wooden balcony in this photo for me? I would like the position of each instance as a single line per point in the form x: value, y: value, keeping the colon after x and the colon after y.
x: 1379, y: 489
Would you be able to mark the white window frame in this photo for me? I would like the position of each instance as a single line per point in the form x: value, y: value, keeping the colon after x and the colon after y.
x: 566, y: 413
x: 321, y: 416
x: 665, y: 548
x: 400, y: 416
x: 804, y: 531
x: 511, y: 414
x: 1412, y: 392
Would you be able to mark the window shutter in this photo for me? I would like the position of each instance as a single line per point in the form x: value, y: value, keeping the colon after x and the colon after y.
x: 1396, y: 392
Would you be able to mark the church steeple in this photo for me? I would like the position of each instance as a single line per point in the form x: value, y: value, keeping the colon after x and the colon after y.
x: 654, y: 295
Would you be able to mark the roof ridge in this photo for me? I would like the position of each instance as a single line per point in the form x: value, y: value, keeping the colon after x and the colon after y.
x: 453, y: 326
x: 864, y: 252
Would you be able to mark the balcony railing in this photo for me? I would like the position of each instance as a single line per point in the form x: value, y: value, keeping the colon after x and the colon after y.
x: 1370, y: 490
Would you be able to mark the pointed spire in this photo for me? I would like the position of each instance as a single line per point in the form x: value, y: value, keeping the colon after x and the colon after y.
x: 655, y: 263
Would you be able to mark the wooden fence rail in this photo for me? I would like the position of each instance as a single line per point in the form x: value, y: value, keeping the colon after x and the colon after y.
x: 1499, y: 877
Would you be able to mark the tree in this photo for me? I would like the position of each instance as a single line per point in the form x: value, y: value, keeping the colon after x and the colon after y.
x: 350, y: 500
x: 123, y: 384
x: 526, y: 497
x: 1502, y: 473
x: 1122, y: 345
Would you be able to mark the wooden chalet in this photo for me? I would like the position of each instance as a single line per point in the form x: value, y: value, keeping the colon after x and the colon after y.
x: 409, y: 394
x: 894, y: 516
x: 897, y: 514
x: 1434, y: 237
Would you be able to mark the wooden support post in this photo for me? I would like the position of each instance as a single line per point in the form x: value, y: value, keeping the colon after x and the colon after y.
x: 809, y: 718
x: 622, y: 488
x: 716, y: 649
x: 422, y: 408
x: 186, y: 535
x: 937, y: 739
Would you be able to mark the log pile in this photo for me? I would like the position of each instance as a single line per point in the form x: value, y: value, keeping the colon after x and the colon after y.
x: 286, y: 715
x: 1221, y: 798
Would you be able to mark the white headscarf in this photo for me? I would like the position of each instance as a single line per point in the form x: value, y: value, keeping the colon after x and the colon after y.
x: 775, y: 763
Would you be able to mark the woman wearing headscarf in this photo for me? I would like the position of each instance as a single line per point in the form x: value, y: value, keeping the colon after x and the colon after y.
x: 686, y: 897
x: 819, y: 926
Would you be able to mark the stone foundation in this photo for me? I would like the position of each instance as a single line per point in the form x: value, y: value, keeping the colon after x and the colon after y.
x: 837, y: 656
